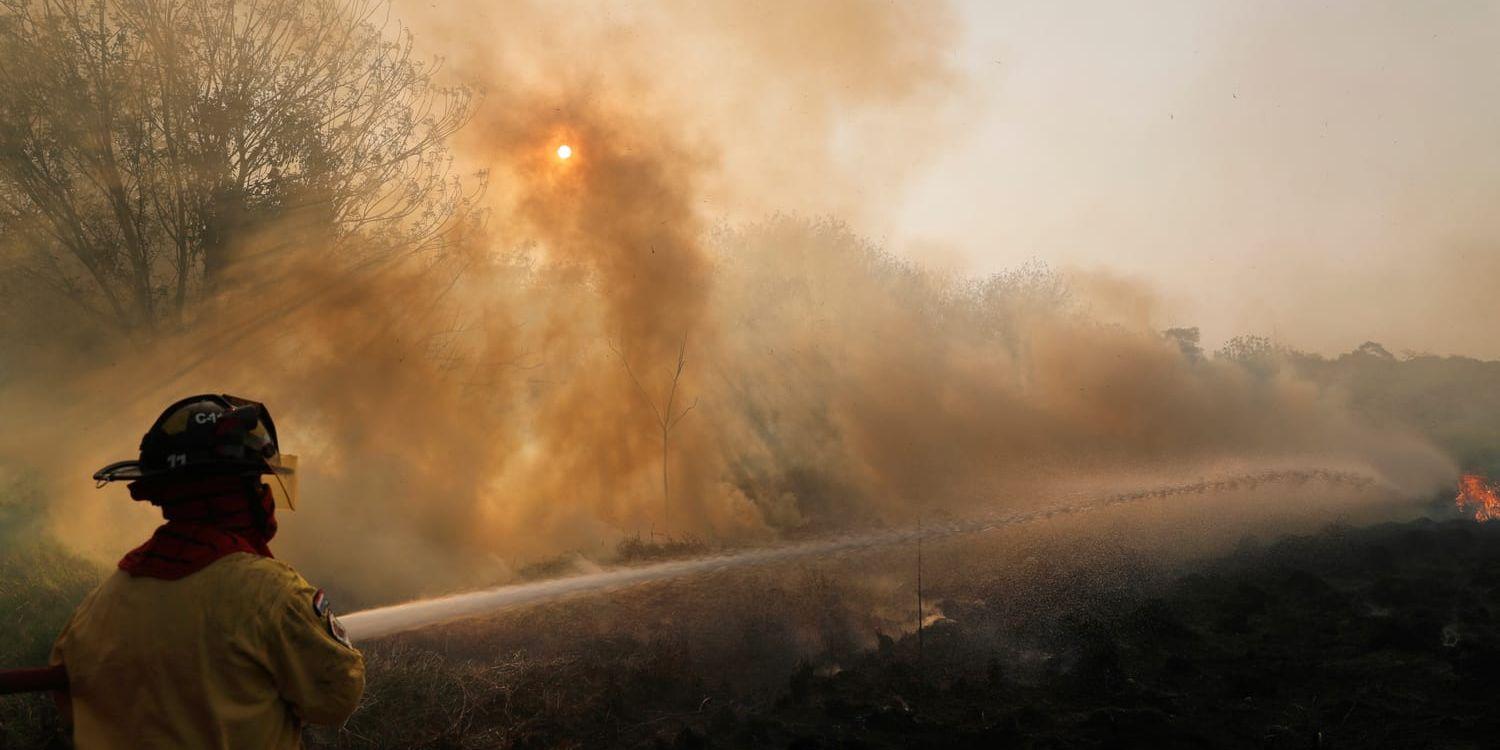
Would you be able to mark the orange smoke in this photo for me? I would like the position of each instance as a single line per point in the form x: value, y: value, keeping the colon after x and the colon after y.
x: 1478, y: 497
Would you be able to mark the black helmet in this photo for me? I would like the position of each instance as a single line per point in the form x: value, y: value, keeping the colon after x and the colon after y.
x: 206, y: 435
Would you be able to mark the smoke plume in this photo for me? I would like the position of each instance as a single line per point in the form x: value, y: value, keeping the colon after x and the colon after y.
x: 467, y: 410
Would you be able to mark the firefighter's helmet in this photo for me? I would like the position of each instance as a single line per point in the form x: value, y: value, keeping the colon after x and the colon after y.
x: 208, y: 435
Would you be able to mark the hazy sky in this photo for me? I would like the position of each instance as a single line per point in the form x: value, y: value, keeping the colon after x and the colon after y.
x: 1324, y: 172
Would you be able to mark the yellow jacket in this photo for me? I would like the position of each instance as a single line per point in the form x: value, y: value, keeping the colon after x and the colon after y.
x: 232, y: 656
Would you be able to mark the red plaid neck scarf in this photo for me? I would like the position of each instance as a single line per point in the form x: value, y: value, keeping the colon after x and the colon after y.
x: 206, y: 520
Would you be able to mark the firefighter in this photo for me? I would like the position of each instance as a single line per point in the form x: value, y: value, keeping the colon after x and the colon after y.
x: 202, y: 639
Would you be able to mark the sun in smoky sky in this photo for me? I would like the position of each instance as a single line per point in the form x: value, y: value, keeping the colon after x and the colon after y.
x: 565, y: 152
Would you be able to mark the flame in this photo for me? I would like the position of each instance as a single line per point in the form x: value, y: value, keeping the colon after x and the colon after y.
x: 1478, y: 497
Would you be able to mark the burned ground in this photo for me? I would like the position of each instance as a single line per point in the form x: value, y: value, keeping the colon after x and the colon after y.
x: 1376, y: 636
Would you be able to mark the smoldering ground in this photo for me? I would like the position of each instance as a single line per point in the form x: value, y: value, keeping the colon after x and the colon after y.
x: 496, y: 400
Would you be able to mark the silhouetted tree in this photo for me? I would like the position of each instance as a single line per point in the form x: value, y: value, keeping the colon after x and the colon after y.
x: 140, y: 140
x: 1257, y: 354
x: 1186, y: 340
x: 1247, y: 349
x: 667, y: 416
x: 1373, y: 349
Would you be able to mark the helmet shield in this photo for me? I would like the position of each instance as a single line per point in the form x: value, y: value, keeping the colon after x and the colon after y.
x: 283, y: 480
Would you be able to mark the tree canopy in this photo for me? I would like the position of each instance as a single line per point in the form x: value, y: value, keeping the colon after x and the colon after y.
x: 142, y: 140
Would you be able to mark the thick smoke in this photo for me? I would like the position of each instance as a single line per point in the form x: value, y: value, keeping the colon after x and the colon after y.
x: 469, y: 410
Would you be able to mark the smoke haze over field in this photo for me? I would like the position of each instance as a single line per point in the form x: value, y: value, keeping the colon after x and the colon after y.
x: 1322, y: 173
x: 468, y: 410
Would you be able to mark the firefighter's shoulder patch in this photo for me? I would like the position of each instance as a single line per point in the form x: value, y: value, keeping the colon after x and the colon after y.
x: 324, y: 612
x: 336, y: 629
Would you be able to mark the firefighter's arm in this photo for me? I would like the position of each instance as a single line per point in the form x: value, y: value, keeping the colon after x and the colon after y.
x: 62, y: 698
x: 317, y: 671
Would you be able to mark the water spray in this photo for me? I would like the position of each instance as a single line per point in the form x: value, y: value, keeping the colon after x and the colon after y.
x: 384, y: 621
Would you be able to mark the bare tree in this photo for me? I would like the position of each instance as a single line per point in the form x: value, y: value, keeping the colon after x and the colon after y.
x: 666, y: 418
x: 140, y: 140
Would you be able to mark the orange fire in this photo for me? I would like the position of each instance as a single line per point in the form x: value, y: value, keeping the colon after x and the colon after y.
x: 1478, y: 497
